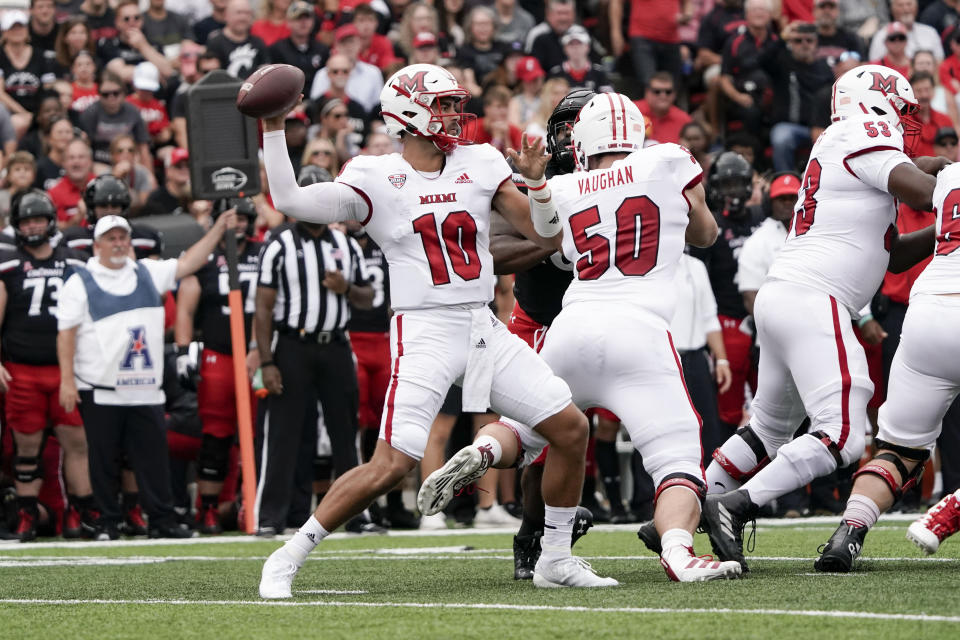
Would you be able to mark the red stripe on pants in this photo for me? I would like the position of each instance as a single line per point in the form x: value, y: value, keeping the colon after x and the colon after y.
x: 388, y: 430
x: 844, y: 376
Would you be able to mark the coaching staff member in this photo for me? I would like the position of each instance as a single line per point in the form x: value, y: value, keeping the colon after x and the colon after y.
x: 310, y: 275
x: 110, y: 347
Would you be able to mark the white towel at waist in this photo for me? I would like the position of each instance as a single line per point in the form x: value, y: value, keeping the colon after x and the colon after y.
x: 478, y: 377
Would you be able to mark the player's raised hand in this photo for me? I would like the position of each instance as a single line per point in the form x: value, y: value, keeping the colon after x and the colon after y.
x: 531, y: 162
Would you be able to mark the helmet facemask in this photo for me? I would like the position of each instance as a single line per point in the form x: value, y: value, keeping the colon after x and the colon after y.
x: 445, y: 130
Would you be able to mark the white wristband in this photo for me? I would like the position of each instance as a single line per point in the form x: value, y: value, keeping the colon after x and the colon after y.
x: 535, y: 185
x: 543, y: 213
x: 723, y: 361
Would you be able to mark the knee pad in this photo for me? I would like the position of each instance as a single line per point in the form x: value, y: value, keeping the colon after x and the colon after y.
x: 214, y: 458
x: 686, y: 480
x: 756, y: 445
x: 896, y: 454
x: 26, y: 469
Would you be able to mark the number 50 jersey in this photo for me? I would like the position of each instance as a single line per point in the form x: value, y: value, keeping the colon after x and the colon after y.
x: 624, y: 227
x: 33, y: 286
x: 434, y: 229
x: 839, y: 241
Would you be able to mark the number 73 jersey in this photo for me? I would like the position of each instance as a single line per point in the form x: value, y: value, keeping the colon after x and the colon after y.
x: 32, y: 288
x: 433, y: 229
x: 844, y: 218
x: 624, y: 227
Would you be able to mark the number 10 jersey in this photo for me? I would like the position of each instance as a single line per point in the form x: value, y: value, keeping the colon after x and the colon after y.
x: 433, y: 228
x: 844, y: 218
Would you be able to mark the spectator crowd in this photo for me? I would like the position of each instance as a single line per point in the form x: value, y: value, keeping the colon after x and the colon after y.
x: 93, y: 115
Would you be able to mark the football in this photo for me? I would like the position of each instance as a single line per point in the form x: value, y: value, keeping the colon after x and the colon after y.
x: 271, y: 90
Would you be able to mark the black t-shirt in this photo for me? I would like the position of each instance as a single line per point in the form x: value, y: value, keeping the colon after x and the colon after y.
x: 239, y: 59
x: 940, y: 16
x: 716, y: 27
x: 110, y: 48
x: 203, y: 28
x: 48, y: 172
x: 24, y: 84
x: 829, y: 48
x: 102, y: 27
x: 213, y: 311
x: 795, y: 84
x: 377, y: 319
x: 43, y: 42
x: 721, y: 259
x: 482, y: 61
x: 310, y: 59
x: 30, y: 320
x: 161, y: 202
x: 593, y: 77
x: 547, y: 49
x: 742, y: 59
x: 80, y: 240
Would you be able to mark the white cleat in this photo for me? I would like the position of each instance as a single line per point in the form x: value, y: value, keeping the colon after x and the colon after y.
x: 568, y: 571
x: 436, y: 522
x: 682, y: 566
x: 495, y: 516
x: 277, y: 576
x: 465, y: 467
x: 922, y: 537
x: 940, y: 522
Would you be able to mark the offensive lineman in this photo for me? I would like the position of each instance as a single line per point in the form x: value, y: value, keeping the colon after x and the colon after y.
x: 924, y: 380
x: 429, y: 210
x: 623, y: 221
x: 30, y: 281
x: 202, y: 303
x: 834, y: 258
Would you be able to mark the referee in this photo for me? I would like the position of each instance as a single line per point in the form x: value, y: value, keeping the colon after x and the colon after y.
x: 310, y: 275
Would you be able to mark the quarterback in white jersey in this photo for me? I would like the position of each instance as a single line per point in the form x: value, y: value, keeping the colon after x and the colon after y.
x: 924, y: 381
x: 428, y: 208
x: 623, y: 221
x: 842, y: 240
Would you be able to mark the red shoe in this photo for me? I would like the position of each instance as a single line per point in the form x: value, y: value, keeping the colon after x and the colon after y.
x: 209, y: 520
x: 72, y: 523
x: 937, y: 524
x: 26, y: 526
x: 133, y: 522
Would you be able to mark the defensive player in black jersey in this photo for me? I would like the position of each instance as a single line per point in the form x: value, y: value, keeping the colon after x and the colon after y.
x: 541, y: 279
x: 30, y: 279
x: 202, y: 305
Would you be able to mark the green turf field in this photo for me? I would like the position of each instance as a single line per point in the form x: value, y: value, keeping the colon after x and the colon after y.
x: 460, y: 585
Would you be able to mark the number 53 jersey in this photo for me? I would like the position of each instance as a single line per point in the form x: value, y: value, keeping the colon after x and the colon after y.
x: 433, y: 228
x: 844, y: 218
x: 624, y: 227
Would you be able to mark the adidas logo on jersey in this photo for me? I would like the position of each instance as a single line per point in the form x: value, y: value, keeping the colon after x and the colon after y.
x: 463, y: 179
x: 482, y: 344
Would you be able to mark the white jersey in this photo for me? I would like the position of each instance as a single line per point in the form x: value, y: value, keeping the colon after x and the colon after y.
x: 942, y: 275
x: 433, y: 229
x: 845, y: 218
x: 758, y: 253
x: 624, y: 227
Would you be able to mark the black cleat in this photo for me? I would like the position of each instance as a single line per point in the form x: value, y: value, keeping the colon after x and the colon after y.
x: 620, y: 515
x: 361, y: 524
x: 726, y: 515
x: 172, y: 531
x: 843, y: 547
x: 402, y: 519
x: 526, y: 552
x: 649, y: 536
x: 582, y: 522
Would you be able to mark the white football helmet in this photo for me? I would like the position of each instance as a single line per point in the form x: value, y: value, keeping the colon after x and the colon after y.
x: 410, y: 103
x: 609, y: 123
x: 876, y: 90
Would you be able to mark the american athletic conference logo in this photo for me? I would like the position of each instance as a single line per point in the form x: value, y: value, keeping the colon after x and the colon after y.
x: 136, y: 358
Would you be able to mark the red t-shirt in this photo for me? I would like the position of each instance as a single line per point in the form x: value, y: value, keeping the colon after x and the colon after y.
x: 928, y: 131
x: 896, y: 286
x: 950, y: 74
x: 84, y: 97
x: 667, y: 128
x: 153, y: 112
x: 482, y: 136
x: 654, y: 20
x: 379, y: 53
x: 801, y: 10
x: 269, y: 32
x: 885, y: 61
x: 66, y: 196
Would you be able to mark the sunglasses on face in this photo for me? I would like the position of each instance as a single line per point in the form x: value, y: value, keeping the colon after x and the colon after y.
x: 897, y: 38
x: 661, y: 92
x: 319, y: 152
x: 110, y: 94
x: 132, y: 18
x: 803, y: 40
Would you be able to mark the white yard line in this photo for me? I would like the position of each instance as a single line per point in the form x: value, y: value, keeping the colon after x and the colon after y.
x: 914, y: 617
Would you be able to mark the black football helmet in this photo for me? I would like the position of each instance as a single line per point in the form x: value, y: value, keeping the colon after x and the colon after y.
x: 33, y: 204
x: 560, y: 126
x: 245, y: 208
x: 311, y: 174
x: 105, y: 190
x: 730, y: 184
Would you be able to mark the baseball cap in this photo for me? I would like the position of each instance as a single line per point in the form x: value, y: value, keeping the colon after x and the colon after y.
x: 576, y: 32
x: 106, y: 223
x: 177, y: 156
x: 146, y: 77
x: 298, y: 9
x: 943, y: 133
x: 11, y: 18
x: 528, y: 68
x: 820, y: 3
x: 785, y: 185
x: 896, y: 27
x: 424, y: 39
x: 346, y: 31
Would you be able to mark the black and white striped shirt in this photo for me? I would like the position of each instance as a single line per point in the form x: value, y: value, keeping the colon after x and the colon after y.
x: 295, y: 263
